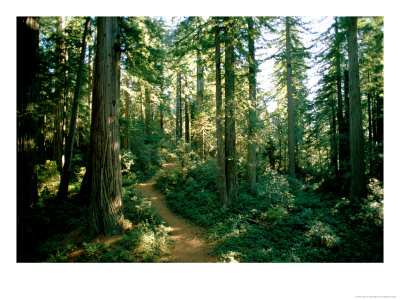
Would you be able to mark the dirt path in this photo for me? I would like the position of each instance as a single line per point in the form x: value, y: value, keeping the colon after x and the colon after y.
x: 188, y: 247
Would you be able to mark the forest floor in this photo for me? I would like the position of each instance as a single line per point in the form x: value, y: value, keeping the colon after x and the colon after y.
x: 188, y: 245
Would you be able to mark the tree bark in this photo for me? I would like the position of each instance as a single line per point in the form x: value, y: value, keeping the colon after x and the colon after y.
x: 200, y: 80
x: 127, y: 115
x: 251, y: 146
x: 280, y: 145
x: 379, y: 135
x: 187, y: 124
x: 147, y: 110
x: 105, y: 211
x: 357, y: 183
x: 291, y: 136
x: 69, y: 148
x: 58, y: 93
x: 222, y: 193
x: 90, y: 83
x: 230, y: 122
x: 346, y: 135
x: 374, y: 114
x: 162, y: 107
x: 334, y: 150
x: 27, y: 99
x: 141, y: 107
x: 370, y: 141
x: 178, y: 107
x: 200, y: 98
x: 341, y: 120
x: 64, y: 104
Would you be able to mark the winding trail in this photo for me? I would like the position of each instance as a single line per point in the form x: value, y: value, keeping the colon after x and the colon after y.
x: 188, y: 247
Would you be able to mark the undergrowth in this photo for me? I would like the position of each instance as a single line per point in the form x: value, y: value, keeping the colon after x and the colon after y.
x: 284, y: 221
x: 144, y: 239
x: 59, y: 228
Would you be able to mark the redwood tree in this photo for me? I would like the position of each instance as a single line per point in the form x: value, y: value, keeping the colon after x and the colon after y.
x: 290, y: 101
x: 251, y: 147
x: 27, y: 99
x: 187, y: 122
x: 59, y: 93
x: 343, y: 133
x: 105, y: 213
x: 222, y: 196
x: 357, y: 183
x: 63, y: 190
x: 230, y: 122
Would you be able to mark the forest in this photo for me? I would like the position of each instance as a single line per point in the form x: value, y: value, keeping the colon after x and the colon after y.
x: 200, y: 139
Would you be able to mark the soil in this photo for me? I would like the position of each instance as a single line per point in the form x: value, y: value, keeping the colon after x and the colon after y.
x: 188, y: 246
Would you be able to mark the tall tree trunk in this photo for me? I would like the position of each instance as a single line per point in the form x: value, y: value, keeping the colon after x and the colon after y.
x: 357, y: 183
x: 370, y: 142
x: 379, y: 118
x: 280, y: 145
x: 346, y: 98
x: 65, y: 104
x: 127, y: 115
x: 334, y: 152
x: 230, y: 122
x: 200, y: 98
x: 59, y: 92
x: 27, y: 99
x: 374, y: 113
x: 251, y: 147
x: 69, y: 148
x: 341, y: 120
x: 162, y: 118
x: 105, y: 211
x: 41, y: 141
x: 178, y: 107
x: 147, y: 109
x: 222, y: 193
x: 162, y: 105
x: 291, y: 137
x: 141, y: 106
x: 346, y: 136
x: 379, y: 135
x: 200, y: 80
x: 90, y: 82
x: 187, y: 136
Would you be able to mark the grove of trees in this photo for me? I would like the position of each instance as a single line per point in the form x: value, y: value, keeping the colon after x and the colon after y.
x: 103, y: 102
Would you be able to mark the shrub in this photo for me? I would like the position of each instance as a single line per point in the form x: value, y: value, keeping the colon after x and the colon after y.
x: 48, y: 180
x: 167, y: 180
x: 143, y: 161
x: 273, y: 189
x: 204, y: 174
x: 375, y: 190
x: 185, y: 154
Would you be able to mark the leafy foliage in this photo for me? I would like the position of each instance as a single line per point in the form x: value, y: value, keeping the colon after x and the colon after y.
x: 48, y: 180
x: 145, y: 238
x: 283, y: 222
